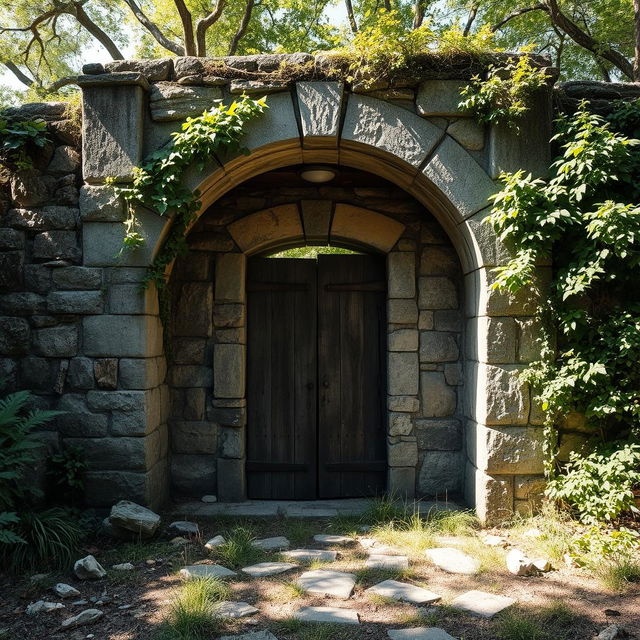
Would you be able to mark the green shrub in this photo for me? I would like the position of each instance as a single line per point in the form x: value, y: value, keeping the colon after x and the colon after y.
x: 19, y: 139
x: 599, y: 486
x: 503, y: 96
x: 66, y: 474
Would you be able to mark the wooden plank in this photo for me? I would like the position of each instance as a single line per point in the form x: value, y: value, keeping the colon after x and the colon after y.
x: 351, y: 365
x: 281, y: 391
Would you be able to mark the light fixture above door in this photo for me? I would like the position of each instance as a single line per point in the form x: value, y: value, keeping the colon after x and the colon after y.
x: 318, y: 173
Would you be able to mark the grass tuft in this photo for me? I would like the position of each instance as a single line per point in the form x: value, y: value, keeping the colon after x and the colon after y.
x: 238, y: 550
x: 616, y: 574
x: 516, y: 625
x: 192, y: 613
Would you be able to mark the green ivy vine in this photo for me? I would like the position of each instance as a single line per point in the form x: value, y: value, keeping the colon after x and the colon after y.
x: 157, y: 184
x: 19, y: 139
x: 586, y: 217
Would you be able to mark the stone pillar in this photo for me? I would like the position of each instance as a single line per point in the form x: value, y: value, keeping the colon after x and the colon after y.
x: 229, y: 375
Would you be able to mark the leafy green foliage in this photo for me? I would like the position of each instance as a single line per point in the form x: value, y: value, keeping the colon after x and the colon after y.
x: 66, y: 473
x: 49, y: 538
x: 18, y: 140
x: 586, y: 217
x: 157, y: 184
x: 503, y: 96
x: 599, y: 486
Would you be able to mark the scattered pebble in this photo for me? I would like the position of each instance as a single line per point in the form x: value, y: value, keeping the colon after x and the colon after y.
x: 84, y: 617
x: 612, y: 632
x: 209, y: 499
x: 89, y: 568
x: 41, y: 606
x: 276, y: 543
x: 519, y: 565
x: 63, y: 590
x: 216, y: 541
x: 125, y: 566
x: 184, y: 528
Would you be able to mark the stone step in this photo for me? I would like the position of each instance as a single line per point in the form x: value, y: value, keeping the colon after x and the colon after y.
x: 324, y: 582
x: 419, y: 633
x: 375, y: 561
x: 309, y: 555
x: 453, y: 560
x: 332, y: 615
x: 404, y: 592
x: 206, y: 571
x: 263, y: 569
x: 481, y: 603
x: 229, y: 609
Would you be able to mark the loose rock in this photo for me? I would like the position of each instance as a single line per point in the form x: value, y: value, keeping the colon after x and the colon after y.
x: 235, y: 609
x: 332, y: 539
x: 612, y: 632
x: 263, y: 569
x: 309, y: 555
x: 125, y: 566
x: 209, y: 499
x: 89, y: 568
x: 85, y: 617
x: 41, y: 606
x: 65, y: 590
x: 216, y: 541
x: 133, y: 517
x: 386, y: 562
x: 520, y: 565
x: 184, y: 528
x: 480, y: 603
x: 404, y: 592
x: 419, y: 633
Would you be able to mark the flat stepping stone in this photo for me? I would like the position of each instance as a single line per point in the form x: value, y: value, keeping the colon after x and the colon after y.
x: 328, y: 583
x: 216, y: 541
x: 404, y: 592
x: 481, y: 603
x: 230, y: 609
x: 206, y: 571
x: 272, y: 544
x: 253, y: 635
x: 419, y: 633
x: 263, y: 569
x: 327, y: 614
x: 332, y: 539
x: 376, y: 561
x: 453, y: 561
x: 308, y: 555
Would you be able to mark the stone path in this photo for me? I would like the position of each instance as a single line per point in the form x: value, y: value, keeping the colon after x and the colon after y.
x: 309, y: 555
x: 328, y: 583
x: 206, y: 571
x: 419, y: 633
x: 404, y: 592
x: 277, y: 543
x: 481, y: 603
x: 375, y: 561
x: 453, y: 560
x: 331, y: 539
x: 327, y: 614
x: 234, y: 610
x: 264, y: 569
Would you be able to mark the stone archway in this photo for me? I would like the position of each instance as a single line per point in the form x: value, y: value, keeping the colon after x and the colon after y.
x: 503, y: 436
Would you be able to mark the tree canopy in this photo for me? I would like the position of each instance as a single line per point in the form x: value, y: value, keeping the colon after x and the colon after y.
x: 43, y: 41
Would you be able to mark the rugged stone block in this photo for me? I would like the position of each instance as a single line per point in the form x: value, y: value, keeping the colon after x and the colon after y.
x: 400, y: 424
x: 402, y: 312
x: 506, y: 397
x: 367, y: 228
x: 530, y: 488
x: 320, y: 105
x: 37, y: 374
x: 56, y: 245
x: 402, y: 481
x: 187, y: 375
x: 11, y: 271
x: 440, y: 97
x: 56, y: 342
x: 100, y: 204
x: 509, y: 450
x: 112, y: 138
x: 402, y: 274
x: 436, y: 346
x: 194, y: 438
x: 468, y: 133
x: 76, y: 419
x: 437, y: 293
x: 440, y: 473
x: 403, y: 340
x: 65, y: 160
x: 439, y: 261
x: 316, y: 218
x: 75, y: 302
x: 403, y: 403
x: 194, y: 310
x: 189, y: 350
x: 264, y: 229
x: 43, y: 219
x: 106, y: 373
x: 231, y: 442
x: 77, y: 278
x: 153, y: 70
x: 122, y: 336
x: 228, y: 371
x: 460, y: 178
x: 492, y: 495
x: 403, y: 374
x: 141, y: 373
x: 231, y: 480
x: 403, y: 453
x: 498, y: 340
x: 169, y: 101
x: 439, y: 435
x: 80, y: 373
x: 23, y: 303
x: 230, y: 277
x: 11, y: 239
x: 229, y: 315
x: 127, y: 454
x: 132, y: 299
x: 438, y: 398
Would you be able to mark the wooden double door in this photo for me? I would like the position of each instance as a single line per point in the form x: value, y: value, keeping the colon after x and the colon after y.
x: 316, y: 377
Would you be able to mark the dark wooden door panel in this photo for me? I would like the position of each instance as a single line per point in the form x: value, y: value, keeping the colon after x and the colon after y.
x: 281, y: 379
x: 351, y: 375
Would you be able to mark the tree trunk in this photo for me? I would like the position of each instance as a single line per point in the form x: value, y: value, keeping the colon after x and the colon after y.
x: 25, y: 79
x: 352, y: 17
x: 82, y: 17
x: 242, y: 29
x: 187, y: 27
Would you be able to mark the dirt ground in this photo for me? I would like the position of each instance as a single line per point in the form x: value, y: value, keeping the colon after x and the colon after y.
x: 136, y: 602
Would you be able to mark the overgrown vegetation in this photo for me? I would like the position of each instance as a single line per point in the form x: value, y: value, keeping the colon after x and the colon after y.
x: 504, y: 96
x: 158, y: 184
x: 19, y: 139
x: 586, y: 216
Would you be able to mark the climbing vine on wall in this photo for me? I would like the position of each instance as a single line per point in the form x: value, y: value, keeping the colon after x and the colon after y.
x: 19, y: 139
x: 586, y: 216
x: 158, y: 183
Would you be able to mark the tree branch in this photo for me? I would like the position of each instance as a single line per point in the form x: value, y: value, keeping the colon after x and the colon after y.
x: 242, y: 29
x: 153, y: 29
x: 187, y: 27
x: 82, y: 17
x: 352, y: 16
x: 25, y: 79
x: 517, y: 14
x: 473, y: 14
x: 580, y: 37
x: 203, y: 25
x: 636, y: 57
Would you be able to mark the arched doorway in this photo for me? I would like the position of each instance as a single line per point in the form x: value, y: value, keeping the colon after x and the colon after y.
x: 316, y: 376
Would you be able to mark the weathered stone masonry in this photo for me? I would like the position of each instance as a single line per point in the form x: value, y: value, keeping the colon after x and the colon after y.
x: 78, y: 330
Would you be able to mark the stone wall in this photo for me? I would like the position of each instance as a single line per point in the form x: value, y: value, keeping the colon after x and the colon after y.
x: 425, y: 345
